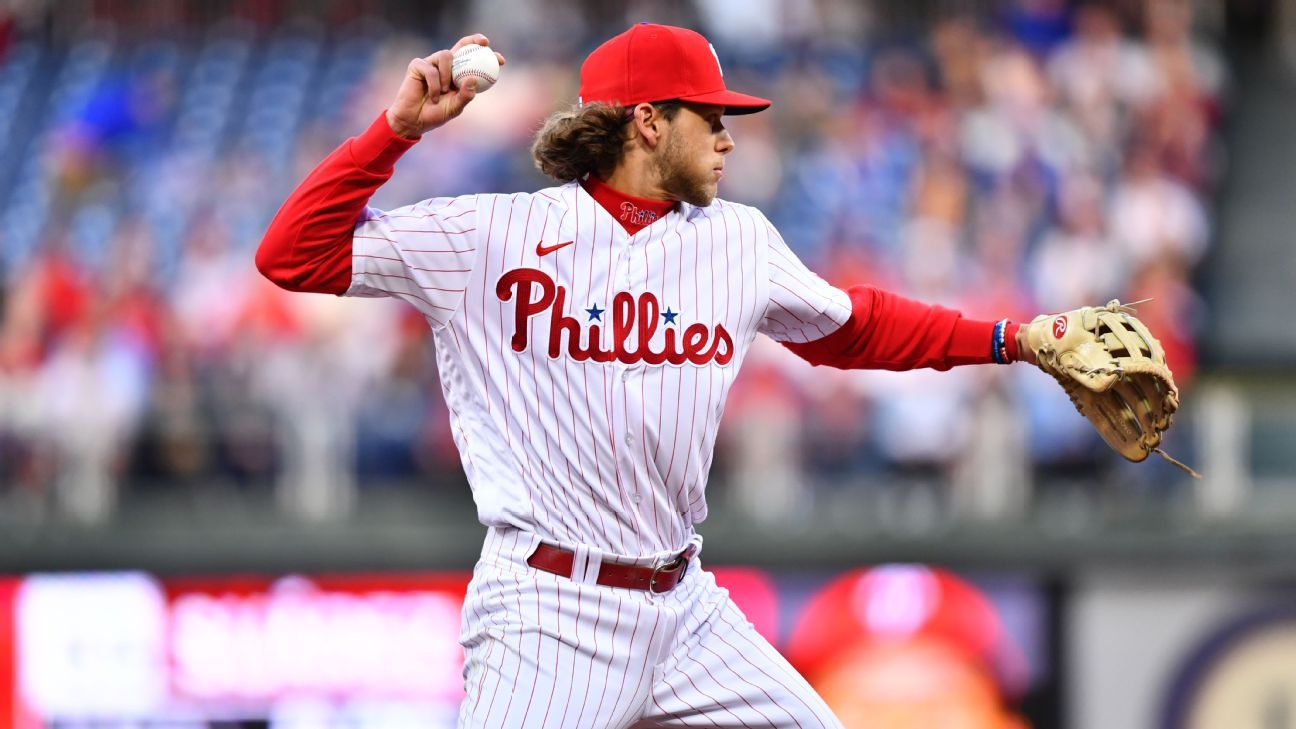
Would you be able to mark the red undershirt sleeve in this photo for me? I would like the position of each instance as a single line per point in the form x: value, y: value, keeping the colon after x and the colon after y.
x: 308, y: 244
x: 890, y: 332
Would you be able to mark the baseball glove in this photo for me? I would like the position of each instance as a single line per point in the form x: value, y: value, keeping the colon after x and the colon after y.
x: 1115, y: 373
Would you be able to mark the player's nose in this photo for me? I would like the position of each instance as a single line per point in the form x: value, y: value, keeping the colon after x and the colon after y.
x: 725, y: 144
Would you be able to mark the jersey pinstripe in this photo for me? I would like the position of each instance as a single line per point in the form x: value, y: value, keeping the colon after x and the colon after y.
x: 577, y: 420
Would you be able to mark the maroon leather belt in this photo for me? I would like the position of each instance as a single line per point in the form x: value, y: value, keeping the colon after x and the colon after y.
x: 661, y: 578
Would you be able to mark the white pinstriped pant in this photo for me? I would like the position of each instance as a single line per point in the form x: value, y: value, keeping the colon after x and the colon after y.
x: 546, y: 651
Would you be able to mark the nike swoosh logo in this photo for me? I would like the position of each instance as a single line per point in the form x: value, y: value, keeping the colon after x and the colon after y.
x: 544, y: 250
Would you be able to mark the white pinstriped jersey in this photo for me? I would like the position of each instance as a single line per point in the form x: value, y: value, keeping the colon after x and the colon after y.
x: 586, y: 381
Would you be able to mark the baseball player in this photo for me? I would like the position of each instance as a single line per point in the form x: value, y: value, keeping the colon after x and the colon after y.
x: 586, y: 337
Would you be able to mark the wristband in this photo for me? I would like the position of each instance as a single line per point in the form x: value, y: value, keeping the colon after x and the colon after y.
x: 1012, y: 351
x: 997, y: 349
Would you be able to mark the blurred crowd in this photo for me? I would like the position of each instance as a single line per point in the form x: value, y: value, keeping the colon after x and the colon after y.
x: 1025, y: 157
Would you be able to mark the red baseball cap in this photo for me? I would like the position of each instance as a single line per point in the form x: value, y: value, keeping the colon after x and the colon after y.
x: 658, y: 63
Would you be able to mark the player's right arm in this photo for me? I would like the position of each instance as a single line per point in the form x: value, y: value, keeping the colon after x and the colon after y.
x: 309, y: 244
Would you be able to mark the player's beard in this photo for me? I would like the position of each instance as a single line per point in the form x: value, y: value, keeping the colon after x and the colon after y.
x: 679, y: 177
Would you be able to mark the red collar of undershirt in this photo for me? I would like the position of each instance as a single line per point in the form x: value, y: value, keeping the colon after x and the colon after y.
x: 633, y: 213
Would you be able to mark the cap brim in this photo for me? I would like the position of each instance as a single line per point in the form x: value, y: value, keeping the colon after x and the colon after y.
x: 732, y: 101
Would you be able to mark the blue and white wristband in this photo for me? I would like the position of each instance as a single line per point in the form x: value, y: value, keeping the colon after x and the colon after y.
x: 998, y: 350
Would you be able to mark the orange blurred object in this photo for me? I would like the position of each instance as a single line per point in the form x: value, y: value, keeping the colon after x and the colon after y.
x: 900, y: 646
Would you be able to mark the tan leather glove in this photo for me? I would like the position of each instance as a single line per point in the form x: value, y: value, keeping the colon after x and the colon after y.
x: 1115, y: 373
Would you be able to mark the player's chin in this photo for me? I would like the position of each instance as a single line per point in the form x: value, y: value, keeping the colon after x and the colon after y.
x: 706, y: 194
x: 694, y: 190
x: 703, y: 200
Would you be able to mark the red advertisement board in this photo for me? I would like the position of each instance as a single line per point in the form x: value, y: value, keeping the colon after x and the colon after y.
x: 293, y: 648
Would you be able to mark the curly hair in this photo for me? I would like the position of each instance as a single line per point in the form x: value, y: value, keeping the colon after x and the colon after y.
x: 587, y: 139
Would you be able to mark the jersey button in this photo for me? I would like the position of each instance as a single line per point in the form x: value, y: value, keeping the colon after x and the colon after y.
x: 625, y: 376
x: 629, y: 439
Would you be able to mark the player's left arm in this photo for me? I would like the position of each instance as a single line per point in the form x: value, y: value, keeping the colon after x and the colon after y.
x: 866, y: 327
x: 888, y: 331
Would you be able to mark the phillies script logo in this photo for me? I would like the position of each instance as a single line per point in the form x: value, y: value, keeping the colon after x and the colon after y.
x: 537, y: 293
x: 634, y: 214
x: 1059, y: 327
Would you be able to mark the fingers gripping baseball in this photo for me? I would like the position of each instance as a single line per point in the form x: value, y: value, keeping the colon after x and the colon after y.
x: 428, y: 96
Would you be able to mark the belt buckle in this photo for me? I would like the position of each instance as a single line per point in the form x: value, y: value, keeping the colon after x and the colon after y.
x: 680, y: 562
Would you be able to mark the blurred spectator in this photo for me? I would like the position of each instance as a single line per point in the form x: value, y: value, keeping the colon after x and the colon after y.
x: 1077, y: 241
x: 1153, y: 216
x: 1039, y: 25
x: 92, y: 389
x: 1099, y: 74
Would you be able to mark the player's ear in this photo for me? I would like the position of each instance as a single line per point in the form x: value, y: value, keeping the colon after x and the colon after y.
x: 648, y: 122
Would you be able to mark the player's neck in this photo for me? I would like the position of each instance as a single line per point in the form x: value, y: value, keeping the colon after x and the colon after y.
x: 629, y: 178
x: 633, y: 212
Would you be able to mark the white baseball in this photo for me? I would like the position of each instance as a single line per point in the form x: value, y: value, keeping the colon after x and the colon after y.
x: 477, y: 62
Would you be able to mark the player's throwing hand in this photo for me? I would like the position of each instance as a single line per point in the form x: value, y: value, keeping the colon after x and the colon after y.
x: 428, y: 97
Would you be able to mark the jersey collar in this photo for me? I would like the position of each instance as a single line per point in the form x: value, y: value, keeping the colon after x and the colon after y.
x: 633, y: 213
